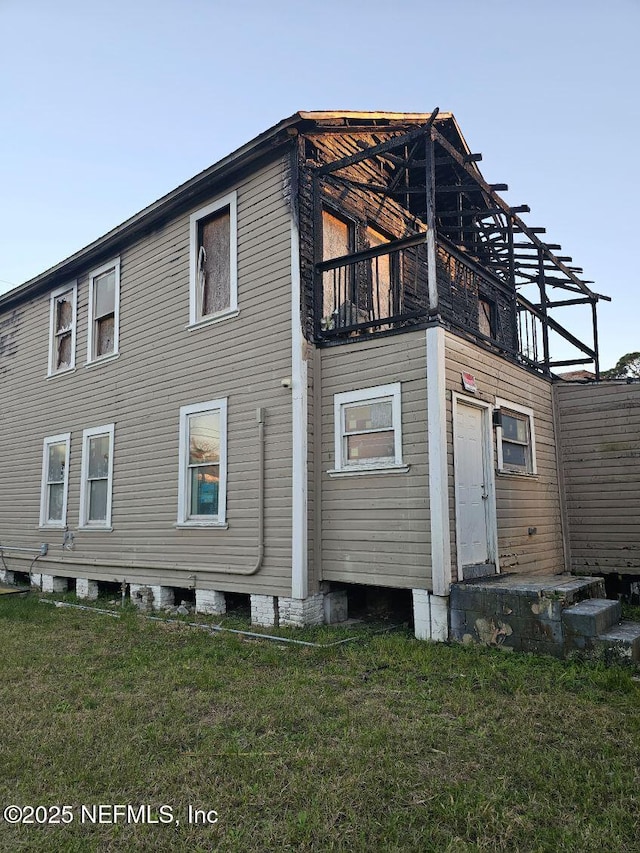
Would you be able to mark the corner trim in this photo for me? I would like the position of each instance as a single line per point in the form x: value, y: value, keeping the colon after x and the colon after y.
x: 438, y: 471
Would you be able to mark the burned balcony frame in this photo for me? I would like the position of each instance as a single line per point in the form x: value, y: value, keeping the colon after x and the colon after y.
x: 458, y: 244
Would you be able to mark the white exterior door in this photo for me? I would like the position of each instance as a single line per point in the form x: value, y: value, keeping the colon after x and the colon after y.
x: 475, y: 502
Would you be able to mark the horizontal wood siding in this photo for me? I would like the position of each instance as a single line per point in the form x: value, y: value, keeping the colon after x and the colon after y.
x: 600, y: 442
x: 162, y: 366
x: 522, y: 501
x: 375, y: 528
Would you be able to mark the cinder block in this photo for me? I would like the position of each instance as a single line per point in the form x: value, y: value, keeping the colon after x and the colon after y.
x: 141, y: 597
x: 36, y: 580
x: 264, y: 610
x: 86, y: 589
x: 299, y: 612
x: 8, y: 577
x: 439, y: 618
x: 211, y: 602
x: 50, y: 583
x: 163, y: 596
x: 336, y: 608
x: 591, y: 617
x: 421, y: 614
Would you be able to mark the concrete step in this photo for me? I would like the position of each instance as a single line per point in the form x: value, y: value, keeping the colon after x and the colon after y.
x: 622, y: 641
x: 590, y: 618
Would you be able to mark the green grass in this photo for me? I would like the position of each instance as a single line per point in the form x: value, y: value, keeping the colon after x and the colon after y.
x: 387, y: 744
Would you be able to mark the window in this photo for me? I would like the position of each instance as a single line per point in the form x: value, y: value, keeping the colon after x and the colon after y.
x: 104, y: 311
x: 368, y: 430
x: 203, y: 464
x: 97, y: 477
x: 486, y: 317
x: 55, y: 481
x: 516, y: 439
x: 213, y: 277
x: 338, y: 239
x: 62, y: 329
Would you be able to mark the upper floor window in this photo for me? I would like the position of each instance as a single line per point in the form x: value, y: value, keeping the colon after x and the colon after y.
x: 213, y: 261
x: 203, y: 463
x: 104, y: 311
x: 516, y: 439
x: 96, y: 482
x: 55, y: 481
x: 62, y: 329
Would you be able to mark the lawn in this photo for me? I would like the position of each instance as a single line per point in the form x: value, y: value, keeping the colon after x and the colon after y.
x: 383, y: 744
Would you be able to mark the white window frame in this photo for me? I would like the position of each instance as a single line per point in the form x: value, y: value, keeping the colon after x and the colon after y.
x: 507, y: 406
x: 84, y: 522
x: 184, y: 519
x: 91, y: 358
x: 65, y: 438
x: 195, y: 318
x: 390, y: 392
x: 71, y: 287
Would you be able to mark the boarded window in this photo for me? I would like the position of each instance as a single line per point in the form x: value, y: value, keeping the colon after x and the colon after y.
x: 337, y: 240
x: 381, y: 294
x: 486, y: 318
x: 214, y: 262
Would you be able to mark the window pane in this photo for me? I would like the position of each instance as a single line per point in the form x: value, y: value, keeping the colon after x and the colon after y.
x: 215, y: 238
x: 204, y: 490
x: 105, y: 335
x: 373, y: 445
x: 514, y: 454
x: 99, y: 456
x: 204, y: 438
x: 64, y: 313
x: 64, y: 351
x: 105, y: 294
x: 98, y: 500
x: 514, y: 428
x: 57, y: 461
x: 370, y: 416
x: 56, y: 498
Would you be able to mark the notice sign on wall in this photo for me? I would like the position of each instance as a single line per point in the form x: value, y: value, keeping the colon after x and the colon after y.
x: 469, y: 382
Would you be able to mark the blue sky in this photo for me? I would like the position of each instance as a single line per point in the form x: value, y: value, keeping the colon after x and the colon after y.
x: 107, y: 105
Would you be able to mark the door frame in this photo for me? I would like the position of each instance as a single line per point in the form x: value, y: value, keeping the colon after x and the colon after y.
x: 488, y: 463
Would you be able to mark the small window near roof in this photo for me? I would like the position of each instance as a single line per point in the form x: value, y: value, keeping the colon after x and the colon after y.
x: 213, y: 277
x: 104, y: 311
x: 516, y: 439
x: 62, y: 338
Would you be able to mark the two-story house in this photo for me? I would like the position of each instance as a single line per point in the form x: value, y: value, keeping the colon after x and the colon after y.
x: 324, y: 362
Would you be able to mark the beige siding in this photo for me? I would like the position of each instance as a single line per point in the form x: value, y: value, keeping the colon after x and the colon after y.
x: 521, y: 501
x: 600, y: 440
x: 163, y: 366
x: 375, y: 528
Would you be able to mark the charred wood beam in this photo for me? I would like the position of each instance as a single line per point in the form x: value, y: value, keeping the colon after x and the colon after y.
x: 374, y: 252
x: 570, y: 361
x: 531, y: 232
x: 382, y: 147
x: 553, y: 324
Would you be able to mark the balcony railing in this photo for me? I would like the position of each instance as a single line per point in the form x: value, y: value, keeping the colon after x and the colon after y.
x: 374, y: 290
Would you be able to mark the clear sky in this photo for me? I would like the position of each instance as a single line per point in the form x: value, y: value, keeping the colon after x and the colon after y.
x: 109, y: 104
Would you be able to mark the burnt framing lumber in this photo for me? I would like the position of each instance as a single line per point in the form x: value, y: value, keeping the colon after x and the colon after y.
x: 439, y: 186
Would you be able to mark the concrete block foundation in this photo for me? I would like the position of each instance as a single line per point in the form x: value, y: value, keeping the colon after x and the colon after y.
x: 430, y: 616
x: 264, y: 610
x: 50, y: 583
x: 210, y: 602
x: 299, y: 612
x: 86, y: 589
